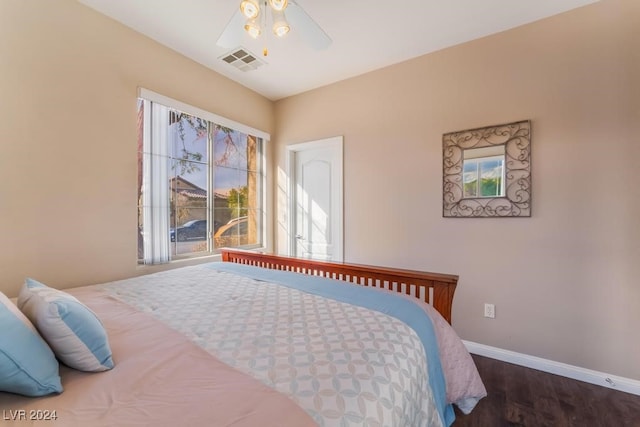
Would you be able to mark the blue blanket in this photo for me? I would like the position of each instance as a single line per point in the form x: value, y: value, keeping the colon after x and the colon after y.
x: 392, y: 305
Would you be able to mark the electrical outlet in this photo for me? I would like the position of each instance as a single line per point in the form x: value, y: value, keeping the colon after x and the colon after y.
x: 490, y: 311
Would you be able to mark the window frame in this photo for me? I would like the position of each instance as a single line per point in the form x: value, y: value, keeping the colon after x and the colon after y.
x: 263, y: 138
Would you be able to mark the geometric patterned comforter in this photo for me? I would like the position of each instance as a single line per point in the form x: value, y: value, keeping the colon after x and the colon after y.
x: 345, y: 365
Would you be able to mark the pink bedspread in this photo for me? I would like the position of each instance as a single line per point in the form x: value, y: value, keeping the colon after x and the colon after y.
x: 160, y: 379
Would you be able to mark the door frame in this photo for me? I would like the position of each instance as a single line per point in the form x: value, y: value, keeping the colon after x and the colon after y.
x: 335, y: 143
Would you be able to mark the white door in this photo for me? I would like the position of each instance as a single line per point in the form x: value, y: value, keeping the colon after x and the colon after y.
x: 317, y: 200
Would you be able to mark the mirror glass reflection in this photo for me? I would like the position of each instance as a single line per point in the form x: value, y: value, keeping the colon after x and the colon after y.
x: 483, y: 172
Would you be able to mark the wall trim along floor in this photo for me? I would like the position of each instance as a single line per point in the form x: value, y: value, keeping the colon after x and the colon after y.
x: 627, y: 385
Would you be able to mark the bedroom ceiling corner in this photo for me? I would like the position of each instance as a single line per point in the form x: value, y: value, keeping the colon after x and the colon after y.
x: 363, y: 36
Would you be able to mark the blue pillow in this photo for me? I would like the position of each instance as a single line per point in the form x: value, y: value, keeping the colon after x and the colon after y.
x: 27, y: 364
x: 72, y: 330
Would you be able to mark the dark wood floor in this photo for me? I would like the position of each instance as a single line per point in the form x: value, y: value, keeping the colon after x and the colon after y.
x: 519, y: 396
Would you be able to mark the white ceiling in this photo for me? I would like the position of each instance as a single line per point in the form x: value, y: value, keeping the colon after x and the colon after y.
x: 366, y: 35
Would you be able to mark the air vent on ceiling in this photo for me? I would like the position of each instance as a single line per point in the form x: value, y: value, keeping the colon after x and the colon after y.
x: 242, y: 59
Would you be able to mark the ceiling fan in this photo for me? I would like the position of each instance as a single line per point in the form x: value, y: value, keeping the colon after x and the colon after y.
x: 257, y: 17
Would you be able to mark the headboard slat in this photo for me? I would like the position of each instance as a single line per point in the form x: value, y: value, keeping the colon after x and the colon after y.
x: 434, y: 288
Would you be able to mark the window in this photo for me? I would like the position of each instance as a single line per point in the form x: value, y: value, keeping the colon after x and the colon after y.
x: 200, y: 181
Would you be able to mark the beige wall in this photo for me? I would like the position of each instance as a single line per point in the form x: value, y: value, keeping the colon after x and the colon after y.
x: 566, y: 282
x: 68, y: 172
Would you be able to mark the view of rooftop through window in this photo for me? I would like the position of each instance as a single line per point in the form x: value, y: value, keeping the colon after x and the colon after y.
x: 214, y: 185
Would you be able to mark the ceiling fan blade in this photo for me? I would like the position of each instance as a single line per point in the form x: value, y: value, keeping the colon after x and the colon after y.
x: 309, y: 29
x: 232, y: 34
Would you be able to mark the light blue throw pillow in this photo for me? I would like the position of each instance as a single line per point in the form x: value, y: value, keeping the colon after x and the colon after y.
x: 27, y: 364
x: 72, y: 330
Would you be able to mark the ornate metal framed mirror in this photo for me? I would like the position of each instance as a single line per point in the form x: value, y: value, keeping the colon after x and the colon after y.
x: 486, y: 172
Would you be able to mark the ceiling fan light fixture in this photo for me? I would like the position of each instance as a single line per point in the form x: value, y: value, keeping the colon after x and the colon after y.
x: 280, y: 25
x: 269, y: 16
x: 281, y: 29
x: 278, y: 5
x: 253, y: 28
x: 250, y: 8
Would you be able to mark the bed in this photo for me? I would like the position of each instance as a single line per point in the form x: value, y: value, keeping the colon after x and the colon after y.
x: 271, y: 341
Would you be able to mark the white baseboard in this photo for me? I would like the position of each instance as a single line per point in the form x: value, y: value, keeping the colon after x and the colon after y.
x: 575, y: 372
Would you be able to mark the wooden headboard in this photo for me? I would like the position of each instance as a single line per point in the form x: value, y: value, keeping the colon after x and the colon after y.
x: 433, y: 288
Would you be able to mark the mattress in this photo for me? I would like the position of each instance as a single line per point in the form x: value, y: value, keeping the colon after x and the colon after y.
x: 224, y: 344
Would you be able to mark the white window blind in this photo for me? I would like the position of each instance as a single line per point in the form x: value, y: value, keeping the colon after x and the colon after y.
x: 155, y: 197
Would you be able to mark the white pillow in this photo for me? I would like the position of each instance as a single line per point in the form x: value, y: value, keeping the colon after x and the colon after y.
x: 72, y: 330
x: 27, y: 364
